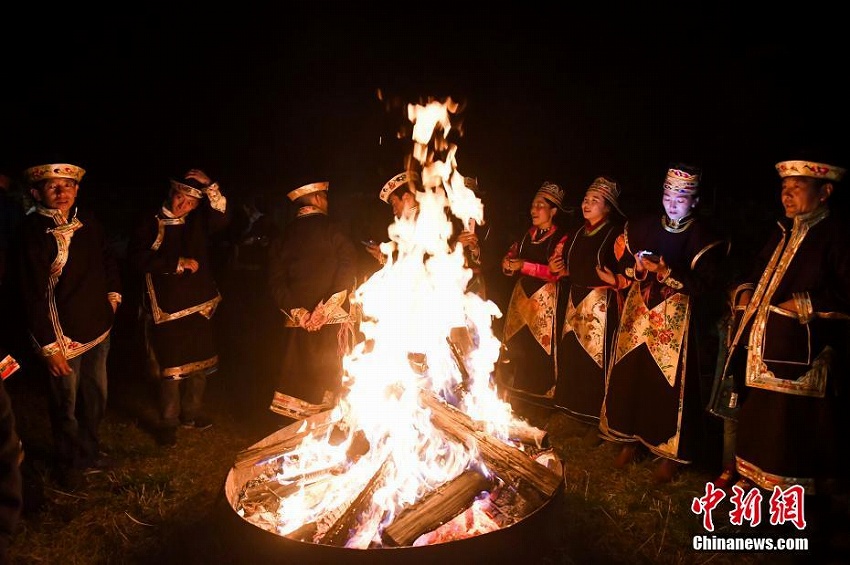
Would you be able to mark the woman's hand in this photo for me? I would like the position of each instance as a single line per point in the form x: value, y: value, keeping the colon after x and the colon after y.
x: 511, y: 265
x: 642, y: 263
x: 606, y: 275
x: 556, y: 264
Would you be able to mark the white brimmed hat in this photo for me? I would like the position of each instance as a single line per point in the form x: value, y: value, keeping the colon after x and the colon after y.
x: 54, y: 171
x: 294, y: 195
x: 809, y: 169
x: 407, y: 177
x: 189, y: 187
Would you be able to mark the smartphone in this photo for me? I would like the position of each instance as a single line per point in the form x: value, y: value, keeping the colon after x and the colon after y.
x: 649, y: 256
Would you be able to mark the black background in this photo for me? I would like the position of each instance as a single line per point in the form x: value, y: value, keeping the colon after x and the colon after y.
x: 267, y: 100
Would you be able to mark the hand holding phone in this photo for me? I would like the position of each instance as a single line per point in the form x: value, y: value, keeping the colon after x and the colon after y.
x: 649, y: 256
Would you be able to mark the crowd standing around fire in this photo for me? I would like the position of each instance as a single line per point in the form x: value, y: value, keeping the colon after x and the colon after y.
x: 611, y: 319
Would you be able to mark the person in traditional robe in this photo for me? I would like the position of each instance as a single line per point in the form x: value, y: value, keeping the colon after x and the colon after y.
x: 790, y: 346
x: 527, y: 372
x: 400, y: 193
x: 71, y: 289
x: 170, y: 250
x: 653, y: 396
x: 591, y: 287
x: 312, y: 271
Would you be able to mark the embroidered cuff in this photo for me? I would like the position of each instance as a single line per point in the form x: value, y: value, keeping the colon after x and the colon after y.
x: 671, y: 282
x: 217, y: 201
x: 633, y: 274
x: 804, y: 306
x: 50, y: 349
x: 661, y: 278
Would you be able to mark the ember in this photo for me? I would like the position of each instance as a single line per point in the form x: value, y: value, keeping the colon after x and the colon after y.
x: 414, y: 453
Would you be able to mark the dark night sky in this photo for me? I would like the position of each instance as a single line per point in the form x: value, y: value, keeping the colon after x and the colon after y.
x: 267, y: 101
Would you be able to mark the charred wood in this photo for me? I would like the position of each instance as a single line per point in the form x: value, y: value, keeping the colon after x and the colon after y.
x: 509, y: 463
x: 437, y: 508
x: 339, y: 533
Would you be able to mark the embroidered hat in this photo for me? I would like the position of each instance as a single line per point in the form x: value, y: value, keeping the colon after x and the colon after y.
x: 189, y: 187
x: 609, y: 191
x: 54, y: 171
x: 407, y: 177
x: 682, y: 181
x: 294, y: 195
x: 809, y: 169
x: 551, y: 192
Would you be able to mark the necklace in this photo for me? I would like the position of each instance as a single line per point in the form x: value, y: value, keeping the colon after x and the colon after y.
x: 676, y: 226
x: 541, y: 232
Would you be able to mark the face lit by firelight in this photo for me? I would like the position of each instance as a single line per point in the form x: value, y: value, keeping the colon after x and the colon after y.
x: 181, y: 203
x: 678, y: 205
x: 801, y: 195
x: 58, y: 194
x: 594, y: 207
x: 542, y: 213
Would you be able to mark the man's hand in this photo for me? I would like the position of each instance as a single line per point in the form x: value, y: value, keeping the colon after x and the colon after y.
x: 468, y: 240
x: 198, y: 175
x: 58, y: 365
x: 187, y: 264
x: 316, y: 321
x: 375, y: 251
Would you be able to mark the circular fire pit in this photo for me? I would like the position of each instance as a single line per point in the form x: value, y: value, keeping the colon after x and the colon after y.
x: 519, y: 541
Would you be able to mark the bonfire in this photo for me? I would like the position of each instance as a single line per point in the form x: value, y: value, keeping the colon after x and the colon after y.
x: 420, y: 448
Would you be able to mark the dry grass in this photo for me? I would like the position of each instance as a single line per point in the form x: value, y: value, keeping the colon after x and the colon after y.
x: 164, y: 505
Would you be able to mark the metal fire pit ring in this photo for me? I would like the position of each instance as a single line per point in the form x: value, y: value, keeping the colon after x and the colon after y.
x: 521, y: 542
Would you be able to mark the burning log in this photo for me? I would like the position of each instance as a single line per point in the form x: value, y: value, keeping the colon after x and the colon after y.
x: 265, y: 449
x: 529, y: 435
x: 436, y: 509
x: 509, y: 463
x: 340, y: 531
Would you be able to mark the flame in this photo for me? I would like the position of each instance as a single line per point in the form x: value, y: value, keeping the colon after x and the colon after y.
x: 410, y: 309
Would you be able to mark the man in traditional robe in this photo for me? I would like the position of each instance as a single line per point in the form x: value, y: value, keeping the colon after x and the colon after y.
x: 312, y: 271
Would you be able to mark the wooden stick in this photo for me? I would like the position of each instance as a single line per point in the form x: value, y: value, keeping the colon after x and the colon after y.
x: 339, y: 533
x: 511, y: 464
x: 283, y: 440
x: 436, y: 509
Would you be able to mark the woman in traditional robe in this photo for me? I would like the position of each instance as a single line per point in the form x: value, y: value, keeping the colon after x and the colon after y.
x: 653, y: 396
x: 527, y: 372
x: 589, y: 262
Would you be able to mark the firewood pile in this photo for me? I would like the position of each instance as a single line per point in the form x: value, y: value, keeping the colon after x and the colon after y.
x: 518, y: 477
